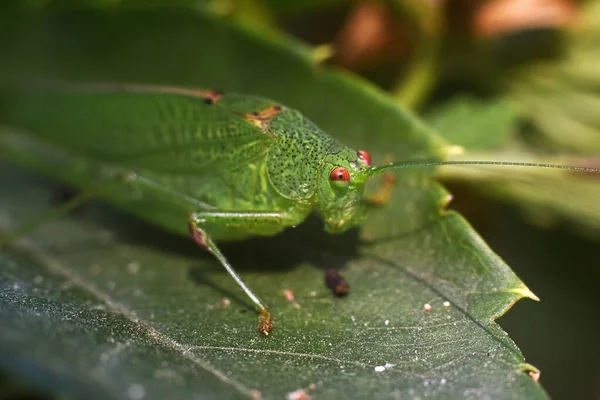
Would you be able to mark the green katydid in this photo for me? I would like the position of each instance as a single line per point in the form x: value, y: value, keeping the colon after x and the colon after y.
x: 201, y: 163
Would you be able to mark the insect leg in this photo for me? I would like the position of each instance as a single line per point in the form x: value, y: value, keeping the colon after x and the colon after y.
x: 382, y: 195
x: 203, y: 239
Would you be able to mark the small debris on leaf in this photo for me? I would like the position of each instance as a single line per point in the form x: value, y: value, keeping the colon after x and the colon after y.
x: 299, y: 394
x: 136, y: 391
x: 289, y: 295
x: 336, y: 282
x: 133, y: 267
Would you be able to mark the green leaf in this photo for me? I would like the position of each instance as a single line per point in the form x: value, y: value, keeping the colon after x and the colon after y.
x: 488, y: 131
x: 549, y: 198
x: 99, y: 305
x: 473, y: 123
x: 560, y: 96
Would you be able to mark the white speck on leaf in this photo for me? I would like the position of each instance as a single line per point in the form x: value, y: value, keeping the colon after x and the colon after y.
x: 387, y: 322
x: 379, y: 368
x: 136, y: 391
x: 133, y: 267
x: 446, y: 304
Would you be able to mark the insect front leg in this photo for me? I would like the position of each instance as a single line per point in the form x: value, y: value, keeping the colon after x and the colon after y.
x: 260, y: 221
x: 383, y: 194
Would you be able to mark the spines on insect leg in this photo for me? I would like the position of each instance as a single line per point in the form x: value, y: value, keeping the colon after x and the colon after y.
x: 201, y: 237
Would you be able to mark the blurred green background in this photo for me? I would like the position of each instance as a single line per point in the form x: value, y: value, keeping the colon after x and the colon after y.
x: 506, y: 80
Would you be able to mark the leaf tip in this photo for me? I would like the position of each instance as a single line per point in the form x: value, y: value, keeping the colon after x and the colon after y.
x: 524, y: 292
x: 531, y: 370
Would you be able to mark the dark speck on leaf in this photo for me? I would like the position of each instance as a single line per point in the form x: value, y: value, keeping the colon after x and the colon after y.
x: 336, y: 282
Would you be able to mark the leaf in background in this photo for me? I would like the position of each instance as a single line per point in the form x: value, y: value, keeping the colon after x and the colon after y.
x: 547, y: 197
x: 561, y: 96
x: 475, y: 124
x: 486, y: 130
x: 114, y: 308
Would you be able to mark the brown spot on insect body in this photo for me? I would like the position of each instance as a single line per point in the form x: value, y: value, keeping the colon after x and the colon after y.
x: 262, y: 118
x: 211, y: 96
x: 336, y: 282
x: 208, y: 96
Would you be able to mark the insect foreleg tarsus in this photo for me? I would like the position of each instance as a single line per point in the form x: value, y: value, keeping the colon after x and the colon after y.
x: 259, y: 220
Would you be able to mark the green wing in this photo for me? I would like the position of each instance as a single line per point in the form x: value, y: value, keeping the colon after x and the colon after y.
x: 153, y: 131
x: 173, y: 137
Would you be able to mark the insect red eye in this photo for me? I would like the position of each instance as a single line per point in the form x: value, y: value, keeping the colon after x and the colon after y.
x: 340, y: 174
x: 364, y: 156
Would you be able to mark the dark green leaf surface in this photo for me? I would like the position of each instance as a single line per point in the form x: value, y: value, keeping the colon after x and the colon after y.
x: 100, y: 305
x: 475, y: 124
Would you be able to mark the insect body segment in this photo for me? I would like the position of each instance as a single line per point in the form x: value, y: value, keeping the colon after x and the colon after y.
x: 213, y: 166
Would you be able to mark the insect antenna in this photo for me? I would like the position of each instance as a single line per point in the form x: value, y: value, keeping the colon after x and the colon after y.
x: 380, y: 169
